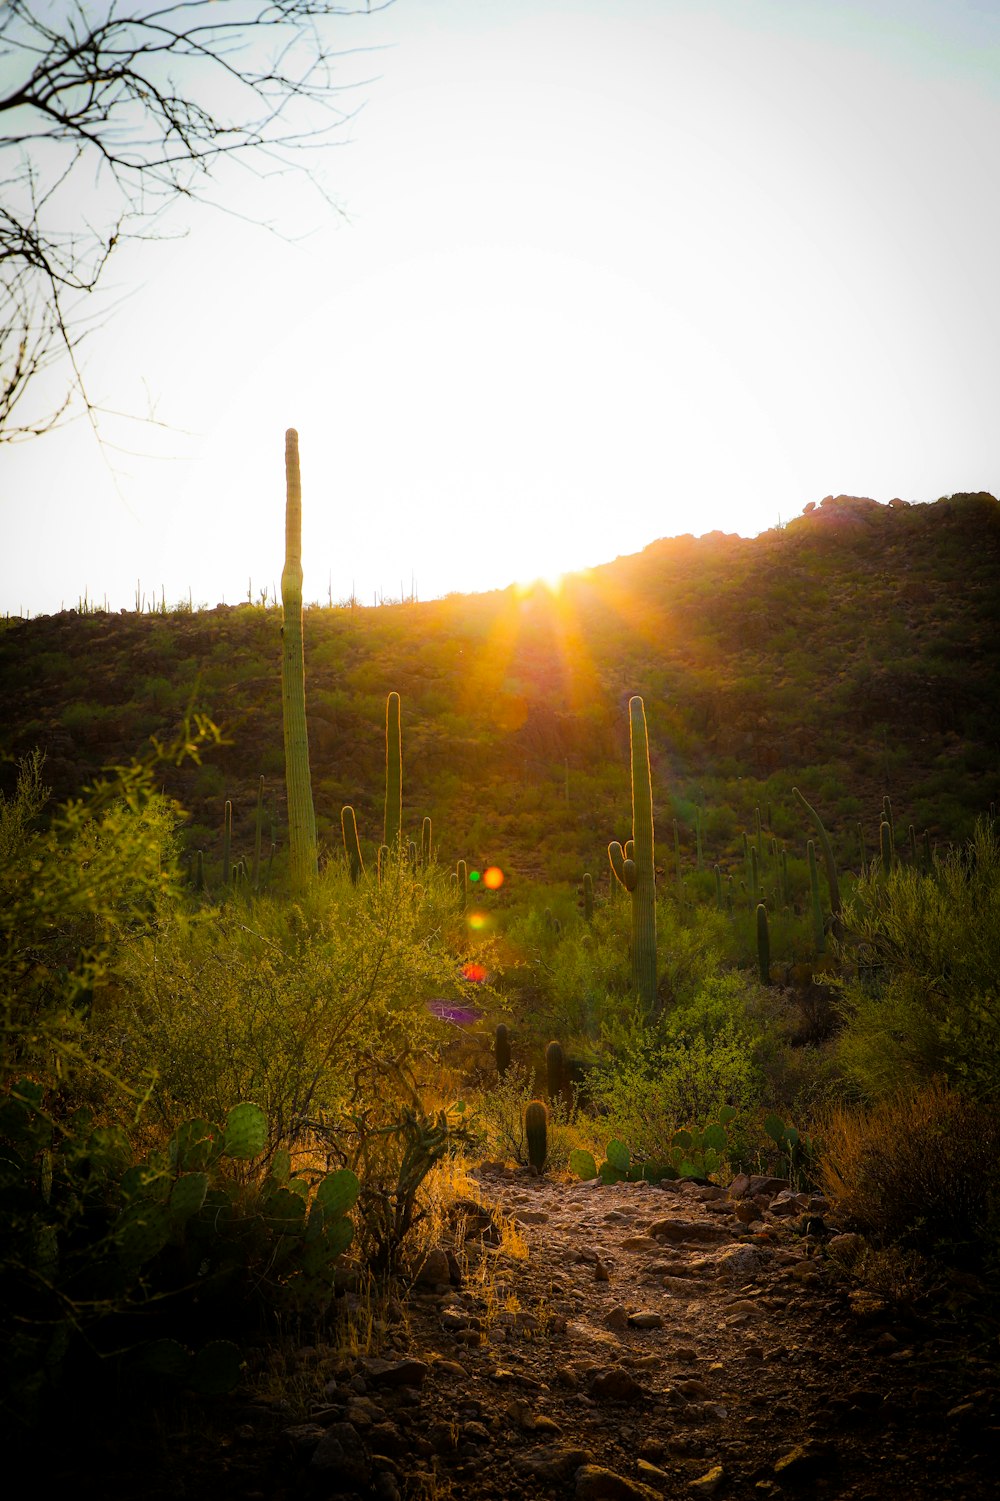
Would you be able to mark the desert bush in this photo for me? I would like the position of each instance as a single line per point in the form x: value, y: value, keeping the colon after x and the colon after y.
x: 281, y: 1002
x: 498, y: 1121
x: 926, y: 998
x: 71, y: 896
x: 921, y: 1170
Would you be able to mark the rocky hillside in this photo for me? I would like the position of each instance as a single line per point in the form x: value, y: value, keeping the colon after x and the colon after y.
x: 854, y: 652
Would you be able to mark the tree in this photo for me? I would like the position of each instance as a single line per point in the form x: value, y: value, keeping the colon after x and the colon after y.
x: 112, y: 111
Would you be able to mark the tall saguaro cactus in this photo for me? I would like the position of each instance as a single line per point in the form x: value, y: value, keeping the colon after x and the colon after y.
x: 633, y: 866
x: 302, y: 861
x: 393, y: 774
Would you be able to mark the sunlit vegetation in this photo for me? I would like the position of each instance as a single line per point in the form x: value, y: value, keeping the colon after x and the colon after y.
x: 229, y: 1095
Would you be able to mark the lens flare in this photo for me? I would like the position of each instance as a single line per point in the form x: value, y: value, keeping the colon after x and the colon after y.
x: 479, y: 921
x: 493, y: 878
x: 474, y: 972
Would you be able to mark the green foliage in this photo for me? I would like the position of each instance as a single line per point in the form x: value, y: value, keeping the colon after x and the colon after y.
x: 696, y: 1152
x: 93, y: 1232
x: 279, y: 1007
x: 684, y: 1074
x: 926, y: 999
x: 796, y: 1149
x: 499, y: 1120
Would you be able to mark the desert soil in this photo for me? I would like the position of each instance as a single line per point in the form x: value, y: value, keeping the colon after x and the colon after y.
x: 671, y: 1341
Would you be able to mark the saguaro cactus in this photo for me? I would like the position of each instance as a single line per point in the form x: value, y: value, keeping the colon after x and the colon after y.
x: 633, y: 866
x: 827, y: 848
x: 819, y: 927
x: 763, y: 945
x: 393, y: 774
x: 302, y: 861
x: 555, y: 1069
x: 502, y: 1048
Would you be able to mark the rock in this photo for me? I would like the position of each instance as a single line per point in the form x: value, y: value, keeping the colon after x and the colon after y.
x: 803, y: 1462
x: 767, y: 1186
x: 738, y: 1263
x: 475, y: 1433
x: 746, y: 1211
x: 302, y: 1438
x: 617, y: 1318
x: 639, y: 1243
x: 646, y: 1319
x: 443, y: 1437
x: 709, y: 1483
x: 551, y: 1464
x: 846, y: 1247
x: 341, y: 1452
x: 594, y: 1483
x: 615, y: 1385
x: 703, y: 1232
x: 435, y: 1269
x: 381, y: 1372
x: 601, y: 1272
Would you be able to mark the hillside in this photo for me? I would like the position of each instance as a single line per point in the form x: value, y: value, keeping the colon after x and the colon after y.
x: 853, y: 652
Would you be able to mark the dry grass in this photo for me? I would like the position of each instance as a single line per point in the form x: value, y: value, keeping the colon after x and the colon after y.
x: 921, y: 1169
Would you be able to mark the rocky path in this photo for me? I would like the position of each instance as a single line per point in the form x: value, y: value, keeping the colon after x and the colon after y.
x: 675, y: 1341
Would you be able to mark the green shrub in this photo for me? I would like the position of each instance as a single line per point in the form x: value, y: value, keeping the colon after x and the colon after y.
x: 926, y: 998
x: 279, y: 1001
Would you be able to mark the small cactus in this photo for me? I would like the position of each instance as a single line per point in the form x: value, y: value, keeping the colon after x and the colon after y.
x: 588, y: 897
x: 501, y: 1047
x: 536, y: 1130
x: 352, y: 844
x: 227, y: 842
x: 426, y: 845
x: 393, y: 775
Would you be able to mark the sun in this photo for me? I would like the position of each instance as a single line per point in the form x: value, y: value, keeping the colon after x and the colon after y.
x: 551, y: 583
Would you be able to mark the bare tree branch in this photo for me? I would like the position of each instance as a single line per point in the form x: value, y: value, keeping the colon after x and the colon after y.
x: 129, y: 106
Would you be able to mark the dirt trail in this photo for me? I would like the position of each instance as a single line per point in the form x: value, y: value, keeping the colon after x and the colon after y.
x: 672, y: 1341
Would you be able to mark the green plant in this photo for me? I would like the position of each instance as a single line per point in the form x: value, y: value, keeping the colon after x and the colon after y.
x: 352, y: 844
x: 693, y: 1152
x: 536, y: 1130
x: 392, y: 827
x: 502, y: 1048
x: 588, y: 897
x: 99, y: 1240
x: 925, y: 1000
x: 828, y: 856
x: 426, y: 843
x: 258, y: 836
x: 302, y: 857
x: 819, y: 927
x: 796, y: 1150
x: 633, y: 865
x: 555, y: 1070
x: 763, y: 945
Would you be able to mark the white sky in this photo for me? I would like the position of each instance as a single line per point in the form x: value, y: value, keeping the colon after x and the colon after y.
x: 609, y: 272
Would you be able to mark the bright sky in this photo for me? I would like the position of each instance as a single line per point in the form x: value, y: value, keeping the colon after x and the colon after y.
x: 608, y: 272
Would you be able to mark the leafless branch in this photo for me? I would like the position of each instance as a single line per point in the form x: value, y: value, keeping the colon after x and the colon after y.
x: 129, y: 106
